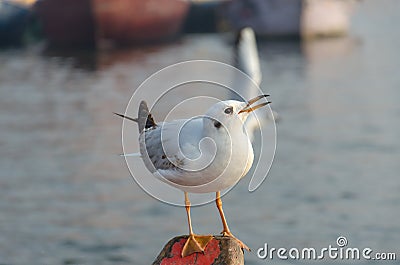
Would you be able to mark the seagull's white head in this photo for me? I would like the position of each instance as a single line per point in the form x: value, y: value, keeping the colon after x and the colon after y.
x: 231, y: 114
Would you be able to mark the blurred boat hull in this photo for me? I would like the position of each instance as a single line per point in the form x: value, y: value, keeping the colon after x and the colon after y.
x: 67, y: 23
x: 138, y: 21
x: 70, y: 23
x: 325, y: 18
x: 291, y: 18
x: 13, y: 22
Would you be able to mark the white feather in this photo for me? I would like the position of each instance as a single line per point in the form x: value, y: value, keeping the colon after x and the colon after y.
x: 131, y: 154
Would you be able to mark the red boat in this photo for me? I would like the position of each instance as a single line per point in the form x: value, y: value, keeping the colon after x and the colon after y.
x: 86, y: 22
x: 67, y: 23
x: 133, y: 21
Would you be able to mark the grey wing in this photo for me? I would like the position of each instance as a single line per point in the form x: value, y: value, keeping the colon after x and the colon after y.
x: 171, y: 146
x: 152, y: 150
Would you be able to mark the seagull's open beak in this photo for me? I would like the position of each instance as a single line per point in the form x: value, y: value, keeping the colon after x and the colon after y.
x: 248, y: 108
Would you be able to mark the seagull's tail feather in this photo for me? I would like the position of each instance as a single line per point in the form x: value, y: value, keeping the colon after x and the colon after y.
x: 126, y: 117
x: 145, y: 119
x: 246, y: 54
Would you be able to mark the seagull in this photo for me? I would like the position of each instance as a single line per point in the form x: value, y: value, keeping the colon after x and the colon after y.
x: 202, y: 154
x: 246, y: 56
x: 246, y: 59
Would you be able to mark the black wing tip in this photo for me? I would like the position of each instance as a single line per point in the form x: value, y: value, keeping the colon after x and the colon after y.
x: 118, y: 114
x: 125, y: 117
x: 146, y: 120
x: 150, y: 123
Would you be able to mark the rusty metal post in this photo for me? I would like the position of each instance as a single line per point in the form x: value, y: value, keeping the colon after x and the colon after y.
x: 220, y: 250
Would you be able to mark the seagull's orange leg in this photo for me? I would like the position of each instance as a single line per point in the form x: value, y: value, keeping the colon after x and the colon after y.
x: 194, y: 243
x: 226, y: 231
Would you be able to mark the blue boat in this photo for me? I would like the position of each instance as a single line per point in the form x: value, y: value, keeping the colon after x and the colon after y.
x: 13, y: 22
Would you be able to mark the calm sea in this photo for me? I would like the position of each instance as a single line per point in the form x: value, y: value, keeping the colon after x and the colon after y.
x: 66, y: 197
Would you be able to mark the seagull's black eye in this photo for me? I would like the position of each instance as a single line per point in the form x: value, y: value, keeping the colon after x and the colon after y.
x: 217, y: 124
x: 229, y: 110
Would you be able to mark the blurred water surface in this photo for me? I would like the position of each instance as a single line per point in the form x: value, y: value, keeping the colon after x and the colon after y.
x: 67, y: 198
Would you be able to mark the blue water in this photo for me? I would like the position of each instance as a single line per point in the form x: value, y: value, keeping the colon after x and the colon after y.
x: 67, y: 198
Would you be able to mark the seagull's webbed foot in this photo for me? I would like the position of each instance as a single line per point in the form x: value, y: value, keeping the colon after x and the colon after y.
x: 195, y: 243
x: 242, y: 245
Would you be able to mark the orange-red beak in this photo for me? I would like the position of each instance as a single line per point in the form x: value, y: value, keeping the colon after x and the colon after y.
x: 248, y: 107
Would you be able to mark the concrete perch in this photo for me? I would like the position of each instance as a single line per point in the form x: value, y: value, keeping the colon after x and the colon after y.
x: 220, y: 250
